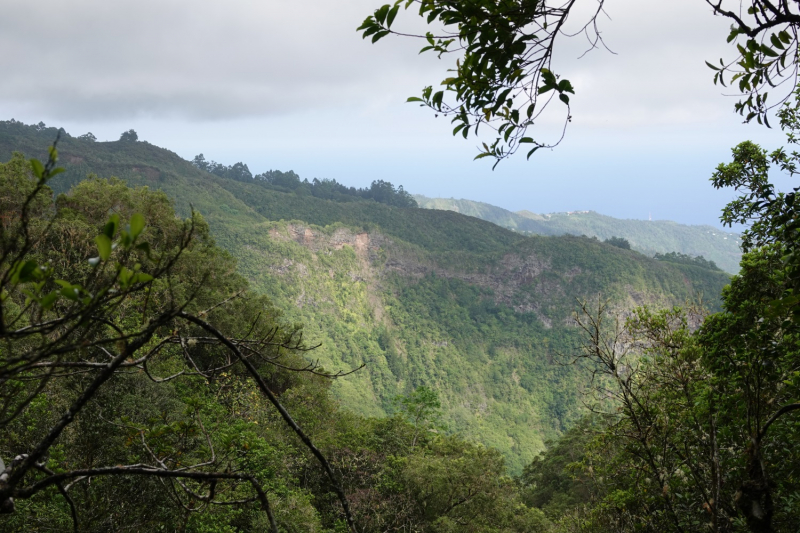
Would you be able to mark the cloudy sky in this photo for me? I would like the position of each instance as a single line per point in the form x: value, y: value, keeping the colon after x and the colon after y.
x: 282, y: 84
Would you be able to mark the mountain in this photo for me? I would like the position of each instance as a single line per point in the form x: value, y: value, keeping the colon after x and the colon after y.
x: 479, y: 313
x: 646, y: 236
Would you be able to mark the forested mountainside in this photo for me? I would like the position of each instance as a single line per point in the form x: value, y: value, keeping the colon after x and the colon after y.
x: 420, y: 297
x: 146, y: 387
x: 649, y: 237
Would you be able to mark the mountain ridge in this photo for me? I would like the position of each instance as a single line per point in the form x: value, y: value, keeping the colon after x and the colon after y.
x: 645, y: 236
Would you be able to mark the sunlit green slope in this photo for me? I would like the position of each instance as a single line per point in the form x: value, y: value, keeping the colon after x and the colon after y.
x: 421, y: 297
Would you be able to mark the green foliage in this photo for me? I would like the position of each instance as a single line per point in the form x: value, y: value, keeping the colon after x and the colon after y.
x: 156, y: 413
x: 556, y: 481
x: 421, y: 406
x: 676, y: 257
x: 503, y: 75
x: 619, y: 242
x: 461, y: 306
x: 767, y: 54
x: 380, y: 191
x: 114, y: 305
x: 127, y: 136
x: 703, y: 410
x: 691, y: 438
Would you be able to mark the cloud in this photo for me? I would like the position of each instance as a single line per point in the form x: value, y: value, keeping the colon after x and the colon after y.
x: 657, y: 74
x: 193, y: 60
x: 212, y: 60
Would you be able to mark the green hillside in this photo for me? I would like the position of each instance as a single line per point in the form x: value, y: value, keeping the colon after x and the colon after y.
x: 421, y: 297
x: 646, y: 236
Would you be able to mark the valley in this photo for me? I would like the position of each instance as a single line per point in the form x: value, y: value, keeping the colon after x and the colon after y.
x: 421, y: 297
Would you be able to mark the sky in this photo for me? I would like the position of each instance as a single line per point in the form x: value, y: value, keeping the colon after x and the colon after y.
x: 282, y: 84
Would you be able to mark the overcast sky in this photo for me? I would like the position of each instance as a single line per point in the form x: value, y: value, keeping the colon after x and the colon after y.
x: 282, y: 84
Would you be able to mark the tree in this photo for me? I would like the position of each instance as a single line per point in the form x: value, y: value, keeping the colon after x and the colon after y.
x: 200, y: 162
x: 772, y: 216
x: 689, y: 435
x: 684, y: 259
x: 384, y: 192
x: 88, y: 137
x: 503, y: 77
x: 422, y: 409
x: 129, y: 136
x: 155, y: 301
x: 703, y: 410
x: 619, y: 242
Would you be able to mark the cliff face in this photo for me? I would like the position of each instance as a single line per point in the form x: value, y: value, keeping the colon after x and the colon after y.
x: 489, y: 334
x: 525, y: 280
x: 515, y: 281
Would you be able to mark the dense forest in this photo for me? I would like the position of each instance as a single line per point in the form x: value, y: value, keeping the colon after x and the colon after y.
x: 185, y: 346
x: 379, y: 191
x: 178, y: 382
x: 225, y: 415
x: 421, y: 297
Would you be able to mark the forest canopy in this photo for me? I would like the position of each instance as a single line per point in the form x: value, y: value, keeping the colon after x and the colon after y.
x: 379, y: 191
x: 149, y: 388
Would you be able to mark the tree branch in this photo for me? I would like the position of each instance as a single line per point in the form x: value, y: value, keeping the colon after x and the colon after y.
x: 281, y: 409
x: 782, y: 411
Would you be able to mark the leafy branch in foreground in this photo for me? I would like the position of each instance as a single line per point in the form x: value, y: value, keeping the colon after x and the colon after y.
x: 503, y: 78
x: 767, y: 58
x: 92, y: 310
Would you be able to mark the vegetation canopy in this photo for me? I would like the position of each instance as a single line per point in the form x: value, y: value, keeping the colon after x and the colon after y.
x: 139, y: 307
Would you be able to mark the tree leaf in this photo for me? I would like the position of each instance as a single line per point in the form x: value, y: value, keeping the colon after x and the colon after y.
x: 767, y: 51
x: 380, y: 35
x: 141, y: 277
x: 49, y: 300
x: 381, y: 12
x: 776, y: 42
x: 25, y: 272
x: 565, y: 86
x: 137, y: 224
x: 37, y: 167
x: 145, y: 247
x: 70, y: 293
x: 103, y: 246
x: 111, y: 226
x: 392, y: 14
